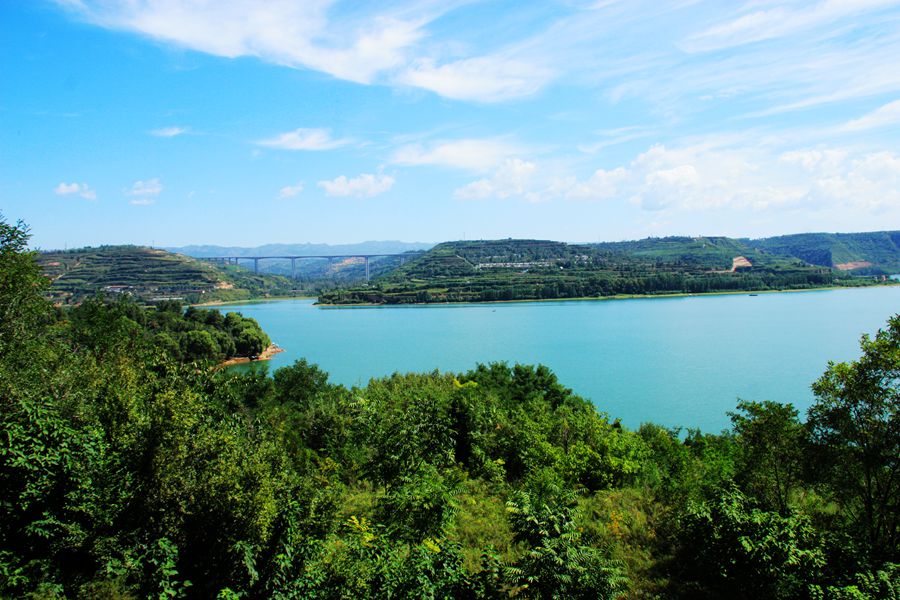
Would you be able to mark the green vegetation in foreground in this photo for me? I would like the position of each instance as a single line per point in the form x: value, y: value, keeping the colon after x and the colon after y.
x: 149, y: 275
x: 502, y: 270
x: 126, y: 472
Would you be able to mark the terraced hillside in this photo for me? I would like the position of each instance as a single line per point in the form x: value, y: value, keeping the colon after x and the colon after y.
x: 537, y: 269
x: 876, y: 253
x: 149, y: 274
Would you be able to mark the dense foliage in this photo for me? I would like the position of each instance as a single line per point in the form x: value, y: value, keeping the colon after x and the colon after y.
x: 187, y: 335
x: 499, y: 270
x: 128, y: 470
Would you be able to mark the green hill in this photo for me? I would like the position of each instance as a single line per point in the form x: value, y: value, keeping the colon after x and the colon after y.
x: 475, y: 271
x: 873, y: 253
x: 150, y: 274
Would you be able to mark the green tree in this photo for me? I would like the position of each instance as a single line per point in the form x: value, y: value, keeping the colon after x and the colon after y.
x: 770, y: 441
x: 855, y: 429
x: 300, y: 383
x: 21, y: 284
x: 559, y: 562
x: 199, y: 345
x: 250, y: 341
x: 730, y: 548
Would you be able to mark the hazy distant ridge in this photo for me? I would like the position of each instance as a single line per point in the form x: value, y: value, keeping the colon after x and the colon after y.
x: 306, y: 249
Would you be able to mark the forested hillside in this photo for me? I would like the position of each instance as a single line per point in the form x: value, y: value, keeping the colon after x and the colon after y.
x: 150, y: 275
x: 477, y: 271
x: 131, y: 470
x: 863, y: 253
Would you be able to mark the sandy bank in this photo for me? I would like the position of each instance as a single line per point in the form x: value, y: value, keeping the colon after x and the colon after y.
x: 266, y: 355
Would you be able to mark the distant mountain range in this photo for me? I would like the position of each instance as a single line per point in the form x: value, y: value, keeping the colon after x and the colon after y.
x: 307, y: 249
x: 489, y: 270
x: 481, y: 270
x: 336, y: 272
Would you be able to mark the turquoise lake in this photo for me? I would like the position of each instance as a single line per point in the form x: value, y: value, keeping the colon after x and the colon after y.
x: 673, y: 361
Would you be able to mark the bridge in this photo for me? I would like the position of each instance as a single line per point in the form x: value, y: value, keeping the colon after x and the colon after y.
x: 235, y: 260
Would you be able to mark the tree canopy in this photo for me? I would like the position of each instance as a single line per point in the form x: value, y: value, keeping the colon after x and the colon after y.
x: 131, y: 468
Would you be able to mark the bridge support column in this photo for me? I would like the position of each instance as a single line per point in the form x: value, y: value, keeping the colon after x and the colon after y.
x: 256, y: 265
x: 293, y: 268
x: 367, y: 267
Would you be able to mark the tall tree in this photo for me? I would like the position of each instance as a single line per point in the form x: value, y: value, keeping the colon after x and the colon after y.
x: 21, y: 283
x: 770, y: 451
x: 855, y: 427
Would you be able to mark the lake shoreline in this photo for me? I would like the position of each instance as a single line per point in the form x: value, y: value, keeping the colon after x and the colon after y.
x: 607, y: 298
x: 215, y: 303
x: 672, y: 362
x: 266, y: 354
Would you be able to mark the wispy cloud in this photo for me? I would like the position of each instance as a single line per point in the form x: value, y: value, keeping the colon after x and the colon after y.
x: 481, y: 79
x: 144, y: 192
x: 83, y: 190
x: 168, y: 132
x: 614, y: 137
x: 778, y: 20
x: 669, y: 54
x: 295, y: 34
x: 468, y: 154
x: 289, y: 191
x: 366, y: 185
x: 304, y: 139
x: 887, y: 115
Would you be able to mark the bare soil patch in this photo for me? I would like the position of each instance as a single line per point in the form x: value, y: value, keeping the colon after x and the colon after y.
x: 856, y: 264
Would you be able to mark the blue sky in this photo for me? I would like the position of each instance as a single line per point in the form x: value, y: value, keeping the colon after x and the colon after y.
x: 242, y: 122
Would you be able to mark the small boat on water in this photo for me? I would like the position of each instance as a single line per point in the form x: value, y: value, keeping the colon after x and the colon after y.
x: 754, y: 294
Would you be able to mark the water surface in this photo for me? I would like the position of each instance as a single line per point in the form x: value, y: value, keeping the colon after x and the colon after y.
x: 674, y: 361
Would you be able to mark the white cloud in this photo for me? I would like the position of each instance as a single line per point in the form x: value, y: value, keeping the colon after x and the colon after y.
x: 513, y: 178
x: 481, y: 79
x: 289, y: 191
x: 778, y: 21
x: 714, y: 175
x: 304, y: 139
x: 357, y: 43
x: 666, y: 54
x: 168, y: 132
x: 81, y: 189
x: 287, y: 32
x: 366, y: 185
x: 601, y: 185
x: 816, y: 160
x: 468, y: 154
x: 614, y: 137
x: 144, y: 192
x: 889, y: 114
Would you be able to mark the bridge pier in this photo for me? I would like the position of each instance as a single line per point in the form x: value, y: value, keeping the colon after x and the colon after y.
x: 367, y: 268
x: 293, y: 267
x: 256, y: 265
